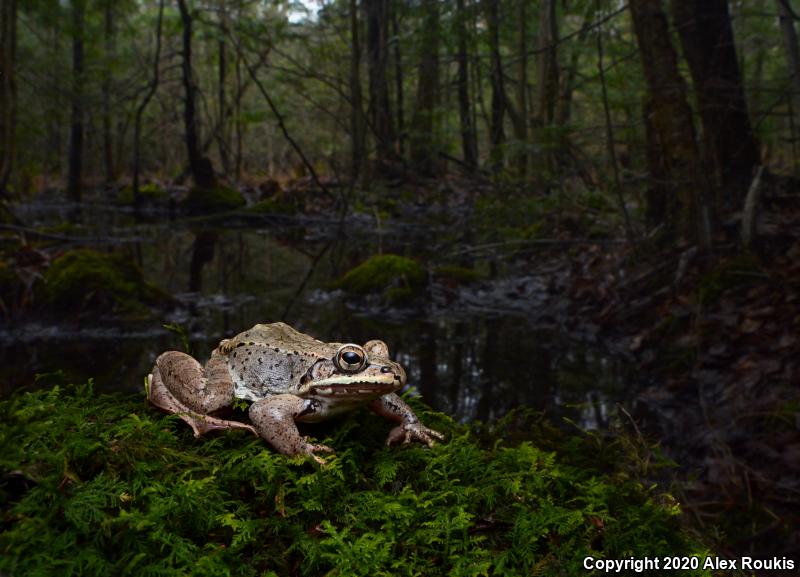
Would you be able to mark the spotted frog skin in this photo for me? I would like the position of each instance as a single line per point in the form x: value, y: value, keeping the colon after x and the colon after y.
x: 290, y: 377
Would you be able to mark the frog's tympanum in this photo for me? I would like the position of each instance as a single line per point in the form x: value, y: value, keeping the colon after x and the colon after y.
x: 290, y: 377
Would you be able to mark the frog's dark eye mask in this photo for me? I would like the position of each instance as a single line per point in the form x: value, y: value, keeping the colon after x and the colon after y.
x: 350, y: 358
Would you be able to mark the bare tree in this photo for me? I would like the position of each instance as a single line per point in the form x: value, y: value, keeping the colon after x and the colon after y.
x: 8, y: 92
x: 423, y: 136
x: 149, y: 93
x: 548, y: 62
x: 497, y: 135
x: 731, y: 149
x: 790, y: 46
x: 469, y: 143
x: 77, y: 111
x: 358, y: 144
x: 200, y: 165
x: 675, y: 195
x: 521, y: 127
x: 110, y: 51
x: 380, y: 114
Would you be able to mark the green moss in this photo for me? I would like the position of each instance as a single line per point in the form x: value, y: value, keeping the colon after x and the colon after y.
x: 734, y: 272
x: 203, y: 200
x: 396, y: 276
x: 87, y: 280
x: 149, y: 193
x: 104, y: 485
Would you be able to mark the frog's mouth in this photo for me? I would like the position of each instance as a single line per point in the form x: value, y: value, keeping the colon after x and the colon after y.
x: 356, y: 386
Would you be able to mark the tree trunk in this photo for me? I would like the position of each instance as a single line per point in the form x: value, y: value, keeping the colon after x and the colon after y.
x: 110, y: 53
x: 731, y: 150
x: 76, y: 121
x: 675, y: 198
x: 567, y: 82
x: 223, y: 143
x: 497, y: 135
x: 358, y: 145
x: 468, y: 137
x: 548, y: 62
x: 792, y: 52
x: 398, y: 85
x: 151, y: 90
x: 521, y: 126
x: 238, y: 118
x: 200, y: 165
x: 610, y: 143
x: 377, y: 55
x: 423, y: 135
x: 8, y: 92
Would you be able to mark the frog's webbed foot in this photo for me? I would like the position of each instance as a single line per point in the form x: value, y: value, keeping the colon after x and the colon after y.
x: 408, y: 432
x: 410, y: 429
x: 159, y: 395
x: 273, y: 418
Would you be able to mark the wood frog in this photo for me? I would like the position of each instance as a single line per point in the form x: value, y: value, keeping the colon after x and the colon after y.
x: 290, y: 377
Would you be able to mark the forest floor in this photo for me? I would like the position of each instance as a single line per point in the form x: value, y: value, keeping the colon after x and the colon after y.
x: 719, y: 339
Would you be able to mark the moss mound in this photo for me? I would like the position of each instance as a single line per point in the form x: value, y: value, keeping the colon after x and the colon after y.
x: 397, y: 277
x: 103, y: 485
x: 219, y: 199
x: 87, y: 280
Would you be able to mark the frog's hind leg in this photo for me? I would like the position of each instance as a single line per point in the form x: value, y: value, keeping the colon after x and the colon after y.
x: 190, y: 394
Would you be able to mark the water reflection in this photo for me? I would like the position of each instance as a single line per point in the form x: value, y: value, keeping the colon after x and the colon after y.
x: 471, y: 366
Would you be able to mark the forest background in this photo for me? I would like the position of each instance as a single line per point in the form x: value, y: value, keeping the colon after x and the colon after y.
x: 641, y: 157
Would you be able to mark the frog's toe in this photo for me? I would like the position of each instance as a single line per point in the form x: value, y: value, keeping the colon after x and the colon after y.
x: 414, y: 432
x: 321, y: 448
x: 311, y: 449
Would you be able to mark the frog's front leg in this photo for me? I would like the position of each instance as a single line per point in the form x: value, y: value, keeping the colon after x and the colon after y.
x: 179, y: 384
x: 274, y: 419
x: 410, y: 428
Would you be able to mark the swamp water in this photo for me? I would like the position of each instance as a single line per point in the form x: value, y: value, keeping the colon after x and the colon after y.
x: 466, y: 352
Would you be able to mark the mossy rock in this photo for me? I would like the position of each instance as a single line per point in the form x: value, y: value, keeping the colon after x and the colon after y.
x: 219, y: 199
x: 398, y: 277
x: 105, y: 485
x: 150, y: 194
x: 87, y: 280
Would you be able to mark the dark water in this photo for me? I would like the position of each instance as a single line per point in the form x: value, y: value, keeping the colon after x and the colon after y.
x: 466, y: 353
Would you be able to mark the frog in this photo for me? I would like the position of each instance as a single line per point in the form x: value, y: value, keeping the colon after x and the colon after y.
x: 288, y: 377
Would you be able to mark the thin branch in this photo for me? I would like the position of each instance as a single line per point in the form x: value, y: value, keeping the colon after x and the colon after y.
x: 279, y: 118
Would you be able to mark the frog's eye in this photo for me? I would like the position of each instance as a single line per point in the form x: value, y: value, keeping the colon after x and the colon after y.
x: 350, y: 358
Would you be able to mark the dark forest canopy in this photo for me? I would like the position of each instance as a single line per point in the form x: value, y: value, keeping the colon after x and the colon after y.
x: 574, y: 93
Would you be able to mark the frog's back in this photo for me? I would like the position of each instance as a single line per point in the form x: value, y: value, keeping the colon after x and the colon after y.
x: 271, y: 359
